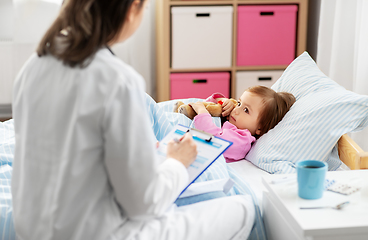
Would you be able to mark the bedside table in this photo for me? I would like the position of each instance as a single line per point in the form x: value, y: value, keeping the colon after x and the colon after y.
x: 284, y: 219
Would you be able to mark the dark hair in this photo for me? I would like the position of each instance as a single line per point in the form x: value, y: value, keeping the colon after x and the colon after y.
x: 82, y: 28
x: 275, y: 106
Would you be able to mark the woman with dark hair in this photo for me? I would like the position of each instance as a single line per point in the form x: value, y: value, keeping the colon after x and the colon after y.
x: 85, y: 164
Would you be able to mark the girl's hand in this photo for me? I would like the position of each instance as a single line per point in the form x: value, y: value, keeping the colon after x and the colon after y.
x: 227, y: 106
x: 198, y: 107
x: 185, y: 151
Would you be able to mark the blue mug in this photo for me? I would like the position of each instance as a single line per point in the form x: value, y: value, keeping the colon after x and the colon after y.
x: 311, y: 176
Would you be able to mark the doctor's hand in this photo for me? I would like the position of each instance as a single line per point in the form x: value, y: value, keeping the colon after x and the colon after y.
x: 185, y: 151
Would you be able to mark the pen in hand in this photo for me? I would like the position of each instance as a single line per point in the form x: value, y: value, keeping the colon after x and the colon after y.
x: 183, y: 149
x: 178, y: 140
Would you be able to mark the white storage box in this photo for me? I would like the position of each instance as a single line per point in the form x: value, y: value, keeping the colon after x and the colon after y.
x: 246, y: 79
x: 201, y: 37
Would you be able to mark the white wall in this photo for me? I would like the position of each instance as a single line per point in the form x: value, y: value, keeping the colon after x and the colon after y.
x: 6, y: 50
x: 28, y: 19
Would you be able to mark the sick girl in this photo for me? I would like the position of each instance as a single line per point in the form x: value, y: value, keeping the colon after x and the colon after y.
x: 259, y: 109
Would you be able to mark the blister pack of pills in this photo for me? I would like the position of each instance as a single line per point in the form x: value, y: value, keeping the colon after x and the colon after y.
x: 343, y: 188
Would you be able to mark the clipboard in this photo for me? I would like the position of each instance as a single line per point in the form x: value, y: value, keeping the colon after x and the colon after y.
x: 209, y: 149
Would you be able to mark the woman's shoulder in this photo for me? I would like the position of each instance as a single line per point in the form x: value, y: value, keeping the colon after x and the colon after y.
x: 104, y: 57
x: 110, y: 66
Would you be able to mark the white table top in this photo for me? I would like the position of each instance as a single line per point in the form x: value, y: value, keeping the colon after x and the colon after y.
x: 352, y: 219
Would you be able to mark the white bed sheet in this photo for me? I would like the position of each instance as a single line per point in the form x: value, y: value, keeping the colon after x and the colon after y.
x: 253, y: 175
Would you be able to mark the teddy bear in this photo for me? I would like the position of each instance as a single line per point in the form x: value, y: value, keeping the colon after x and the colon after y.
x: 214, y: 109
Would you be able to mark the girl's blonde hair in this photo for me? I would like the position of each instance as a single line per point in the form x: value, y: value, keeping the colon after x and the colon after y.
x: 82, y: 28
x: 275, y: 106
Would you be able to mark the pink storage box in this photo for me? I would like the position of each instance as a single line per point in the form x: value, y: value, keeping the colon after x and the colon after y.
x: 266, y: 34
x: 199, y: 85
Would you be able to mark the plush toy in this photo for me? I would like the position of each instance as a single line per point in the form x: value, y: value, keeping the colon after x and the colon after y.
x: 215, y: 109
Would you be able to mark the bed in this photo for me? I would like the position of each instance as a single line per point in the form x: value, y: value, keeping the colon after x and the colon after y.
x: 316, y: 127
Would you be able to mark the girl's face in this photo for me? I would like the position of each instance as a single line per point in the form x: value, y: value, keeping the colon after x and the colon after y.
x: 133, y: 20
x: 245, y: 115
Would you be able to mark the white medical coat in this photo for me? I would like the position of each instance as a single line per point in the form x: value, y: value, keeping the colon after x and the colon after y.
x: 85, y: 159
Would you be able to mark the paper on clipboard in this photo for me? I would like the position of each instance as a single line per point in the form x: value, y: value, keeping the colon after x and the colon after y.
x: 209, y: 149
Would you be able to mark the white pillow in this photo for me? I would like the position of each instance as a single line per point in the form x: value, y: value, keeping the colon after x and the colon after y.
x: 322, y: 113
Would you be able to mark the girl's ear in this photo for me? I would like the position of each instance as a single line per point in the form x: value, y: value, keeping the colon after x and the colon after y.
x: 258, y: 132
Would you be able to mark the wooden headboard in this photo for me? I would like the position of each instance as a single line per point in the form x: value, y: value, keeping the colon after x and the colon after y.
x: 351, y: 154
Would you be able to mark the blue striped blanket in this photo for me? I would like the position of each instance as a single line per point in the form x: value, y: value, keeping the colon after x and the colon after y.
x: 7, y: 143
